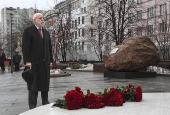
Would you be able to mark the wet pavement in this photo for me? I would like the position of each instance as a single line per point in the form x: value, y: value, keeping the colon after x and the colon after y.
x: 14, y: 94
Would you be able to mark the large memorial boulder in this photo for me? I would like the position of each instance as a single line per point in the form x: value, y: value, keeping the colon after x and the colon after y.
x: 133, y: 54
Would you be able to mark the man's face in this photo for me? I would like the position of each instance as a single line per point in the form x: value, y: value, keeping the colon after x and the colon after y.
x: 39, y: 20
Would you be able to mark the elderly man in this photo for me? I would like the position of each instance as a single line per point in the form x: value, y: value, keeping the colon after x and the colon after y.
x: 37, y: 54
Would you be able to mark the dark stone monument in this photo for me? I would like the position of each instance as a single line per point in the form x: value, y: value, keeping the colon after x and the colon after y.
x: 129, y: 75
x: 133, y: 54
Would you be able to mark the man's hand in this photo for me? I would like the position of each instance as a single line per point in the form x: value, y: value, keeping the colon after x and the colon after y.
x: 29, y: 65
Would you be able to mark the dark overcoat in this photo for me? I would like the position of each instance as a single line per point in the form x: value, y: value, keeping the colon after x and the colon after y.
x: 38, y: 51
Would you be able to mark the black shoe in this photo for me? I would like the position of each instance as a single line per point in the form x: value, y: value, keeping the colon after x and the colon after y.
x: 44, y: 103
x: 32, y: 106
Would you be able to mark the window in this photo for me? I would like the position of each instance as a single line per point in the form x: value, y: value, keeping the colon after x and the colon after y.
x: 100, y: 36
x: 122, y: 4
x: 78, y: 3
x: 75, y: 34
x: 139, y: 1
x: 130, y: 17
x: 72, y: 5
x: 139, y: 31
x: 107, y: 36
x: 114, y: 6
x: 79, y: 45
x: 91, y: 19
x: 107, y: 47
x: 76, y: 23
x: 107, y: 9
x: 107, y: 22
x: 75, y: 46
x: 150, y: 29
x: 82, y: 46
x: 162, y: 27
x: 82, y: 32
x: 92, y: 33
x: 150, y: 12
x: 139, y: 15
x: 79, y: 32
x: 84, y: 9
x: 130, y: 33
x: 66, y: 34
x: 162, y: 9
x: 100, y: 11
x: 72, y: 24
x: 82, y: 19
x: 78, y: 20
x: 100, y: 24
x: 89, y: 47
x: 130, y: 2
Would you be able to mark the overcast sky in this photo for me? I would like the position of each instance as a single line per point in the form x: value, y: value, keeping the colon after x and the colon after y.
x: 40, y: 4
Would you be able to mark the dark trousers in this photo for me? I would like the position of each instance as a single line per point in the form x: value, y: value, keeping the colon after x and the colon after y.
x: 32, y: 98
x: 16, y: 66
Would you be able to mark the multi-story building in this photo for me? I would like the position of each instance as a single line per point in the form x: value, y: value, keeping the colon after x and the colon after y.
x: 16, y: 14
x: 6, y: 19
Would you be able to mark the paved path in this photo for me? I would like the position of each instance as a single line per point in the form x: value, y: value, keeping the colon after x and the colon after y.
x: 14, y: 94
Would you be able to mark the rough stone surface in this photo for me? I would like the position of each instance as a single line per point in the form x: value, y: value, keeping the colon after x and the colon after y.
x: 133, y: 54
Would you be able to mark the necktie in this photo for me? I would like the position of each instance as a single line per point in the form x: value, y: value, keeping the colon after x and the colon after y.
x: 40, y: 31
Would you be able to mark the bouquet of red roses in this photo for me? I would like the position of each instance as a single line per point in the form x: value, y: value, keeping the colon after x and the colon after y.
x: 93, y: 101
x: 74, y: 99
x: 112, y: 97
x: 131, y: 93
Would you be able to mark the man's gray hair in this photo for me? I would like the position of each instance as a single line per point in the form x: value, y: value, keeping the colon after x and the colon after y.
x: 35, y: 15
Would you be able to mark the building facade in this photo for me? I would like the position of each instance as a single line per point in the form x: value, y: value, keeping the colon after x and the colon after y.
x: 6, y: 19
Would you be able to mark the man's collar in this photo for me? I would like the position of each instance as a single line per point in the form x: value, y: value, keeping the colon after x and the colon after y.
x: 38, y: 27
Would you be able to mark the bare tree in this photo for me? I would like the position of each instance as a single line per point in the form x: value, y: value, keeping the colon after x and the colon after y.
x: 111, y: 19
x: 62, y: 31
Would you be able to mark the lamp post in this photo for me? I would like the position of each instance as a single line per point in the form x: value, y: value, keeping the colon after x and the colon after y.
x: 11, y: 46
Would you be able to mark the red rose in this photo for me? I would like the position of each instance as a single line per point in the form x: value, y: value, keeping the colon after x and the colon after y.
x: 128, y: 90
x: 130, y: 85
x: 138, y: 96
x: 75, y: 99
x: 113, y: 98
x: 93, y: 101
x: 77, y: 88
x: 138, y: 89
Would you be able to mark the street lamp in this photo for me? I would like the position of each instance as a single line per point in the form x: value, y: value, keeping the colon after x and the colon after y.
x: 11, y: 46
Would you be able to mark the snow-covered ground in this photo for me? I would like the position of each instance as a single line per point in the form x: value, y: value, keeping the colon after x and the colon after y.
x: 57, y: 72
x: 158, y: 70
x: 83, y: 67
